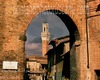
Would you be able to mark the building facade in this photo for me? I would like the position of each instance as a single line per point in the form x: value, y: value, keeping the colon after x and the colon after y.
x: 59, y: 59
x: 36, y: 68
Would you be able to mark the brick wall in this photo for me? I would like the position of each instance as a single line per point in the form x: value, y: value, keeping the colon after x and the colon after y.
x: 17, y: 14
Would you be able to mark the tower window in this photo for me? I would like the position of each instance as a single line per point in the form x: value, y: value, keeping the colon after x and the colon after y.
x: 97, y: 72
x: 44, y: 29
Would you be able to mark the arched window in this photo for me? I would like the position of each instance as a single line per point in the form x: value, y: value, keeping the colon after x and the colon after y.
x: 44, y: 29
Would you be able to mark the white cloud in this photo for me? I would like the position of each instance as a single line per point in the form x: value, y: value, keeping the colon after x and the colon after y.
x: 32, y: 46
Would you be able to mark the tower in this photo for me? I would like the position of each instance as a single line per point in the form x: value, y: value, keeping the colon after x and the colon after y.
x: 45, y: 35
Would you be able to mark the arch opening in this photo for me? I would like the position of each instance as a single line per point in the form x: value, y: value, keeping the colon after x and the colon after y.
x: 74, y: 36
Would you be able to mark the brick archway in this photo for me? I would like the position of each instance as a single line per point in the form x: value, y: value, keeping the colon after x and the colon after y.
x: 18, y: 15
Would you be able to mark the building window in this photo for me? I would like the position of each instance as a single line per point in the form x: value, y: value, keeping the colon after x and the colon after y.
x: 44, y: 29
x: 97, y: 72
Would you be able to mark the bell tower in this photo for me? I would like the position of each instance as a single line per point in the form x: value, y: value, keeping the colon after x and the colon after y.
x: 45, y: 36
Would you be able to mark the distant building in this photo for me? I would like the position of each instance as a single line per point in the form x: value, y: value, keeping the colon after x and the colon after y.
x: 59, y: 59
x: 36, y: 68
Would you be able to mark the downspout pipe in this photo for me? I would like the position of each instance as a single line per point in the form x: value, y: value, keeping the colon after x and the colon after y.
x: 87, y: 36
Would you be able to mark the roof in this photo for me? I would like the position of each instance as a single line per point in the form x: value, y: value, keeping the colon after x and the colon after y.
x: 37, y: 72
x: 50, y: 51
x: 58, y: 45
x: 57, y: 41
x: 42, y: 60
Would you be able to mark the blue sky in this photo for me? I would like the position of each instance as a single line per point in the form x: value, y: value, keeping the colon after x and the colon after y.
x: 56, y: 28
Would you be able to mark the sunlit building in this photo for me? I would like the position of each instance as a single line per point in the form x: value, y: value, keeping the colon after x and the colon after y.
x: 36, y: 68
